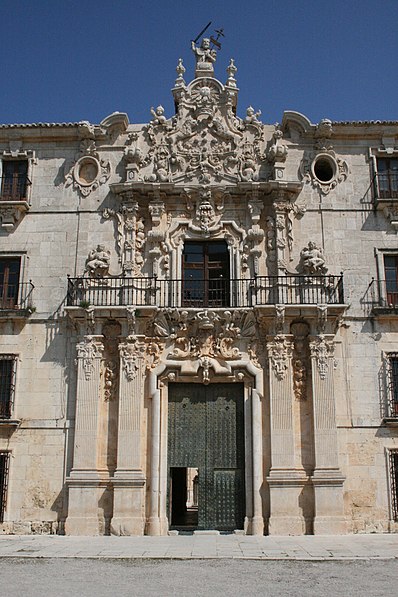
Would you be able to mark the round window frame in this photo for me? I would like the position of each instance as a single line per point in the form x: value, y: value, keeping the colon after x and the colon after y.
x: 332, y: 162
x: 79, y: 164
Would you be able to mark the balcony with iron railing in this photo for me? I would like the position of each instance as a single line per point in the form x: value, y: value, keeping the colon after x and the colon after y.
x: 385, y: 186
x: 383, y: 296
x: 200, y: 293
x: 16, y: 298
x: 14, y: 188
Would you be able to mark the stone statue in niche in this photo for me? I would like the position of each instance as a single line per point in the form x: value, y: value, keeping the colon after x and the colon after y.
x: 98, y: 262
x: 312, y: 260
x: 205, y: 56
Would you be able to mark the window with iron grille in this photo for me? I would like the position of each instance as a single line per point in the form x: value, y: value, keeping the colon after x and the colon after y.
x: 4, y: 462
x: 7, y: 384
x: 392, y: 385
x: 393, y: 466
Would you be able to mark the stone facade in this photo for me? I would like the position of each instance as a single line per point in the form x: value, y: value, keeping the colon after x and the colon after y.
x: 201, y: 248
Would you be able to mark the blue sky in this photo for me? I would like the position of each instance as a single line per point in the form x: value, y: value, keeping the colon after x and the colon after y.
x: 69, y: 60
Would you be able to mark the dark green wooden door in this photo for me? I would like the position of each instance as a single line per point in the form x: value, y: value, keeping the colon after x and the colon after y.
x: 206, y: 431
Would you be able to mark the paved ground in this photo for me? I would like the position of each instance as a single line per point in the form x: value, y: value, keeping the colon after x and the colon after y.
x: 202, y: 546
x: 71, y: 577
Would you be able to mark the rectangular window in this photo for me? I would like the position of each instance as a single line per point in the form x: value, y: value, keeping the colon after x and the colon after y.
x: 14, y: 180
x: 4, y: 463
x: 387, y: 177
x: 9, y: 281
x: 7, y: 384
x: 393, y: 469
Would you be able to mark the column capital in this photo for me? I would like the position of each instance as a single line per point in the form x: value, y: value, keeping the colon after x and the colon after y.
x: 88, y: 349
x: 132, y: 354
x: 280, y: 350
x: 322, y: 351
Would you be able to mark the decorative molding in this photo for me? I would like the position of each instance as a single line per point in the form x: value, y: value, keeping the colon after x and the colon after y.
x: 338, y: 167
x: 88, y: 171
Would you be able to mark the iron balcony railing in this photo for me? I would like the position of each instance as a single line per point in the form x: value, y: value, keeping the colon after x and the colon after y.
x: 385, y: 185
x: 16, y: 297
x: 384, y: 293
x: 219, y: 292
x: 14, y: 188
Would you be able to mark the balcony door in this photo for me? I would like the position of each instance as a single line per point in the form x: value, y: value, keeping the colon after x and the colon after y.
x: 9, y: 282
x: 391, y: 273
x: 387, y: 170
x: 14, y: 180
x: 206, y: 276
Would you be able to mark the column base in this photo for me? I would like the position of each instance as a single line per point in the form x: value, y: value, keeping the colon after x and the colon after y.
x: 286, y: 499
x: 82, y: 526
x: 128, y: 496
x: 153, y: 526
x: 84, y: 489
x: 329, y: 506
x: 256, y: 526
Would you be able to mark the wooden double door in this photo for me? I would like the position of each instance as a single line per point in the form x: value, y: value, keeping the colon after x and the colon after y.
x: 206, y: 434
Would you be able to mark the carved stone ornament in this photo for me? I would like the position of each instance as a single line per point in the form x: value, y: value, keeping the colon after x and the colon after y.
x: 278, y: 150
x: 98, y: 262
x: 312, y: 260
x: 130, y: 236
x: 300, y: 360
x: 88, y: 350
x: 206, y: 333
x: 131, y: 355
x: 110, y: 380
x: 205, y: 142
x: 88, y: 171
x: 279, y: 353
x: 11, y: 212
x: 322, y: 350
x: 324, y: 170
x: 205, y: 58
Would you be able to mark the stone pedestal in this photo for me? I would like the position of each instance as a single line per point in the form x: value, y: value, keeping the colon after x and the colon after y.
x: 286, y: 488
x: 85, y: 478
x: 327, y: 478
x: 129, y: 480
x: 286, y: 479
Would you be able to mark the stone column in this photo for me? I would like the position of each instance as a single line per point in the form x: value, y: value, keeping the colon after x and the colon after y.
x: 129, y: 479
x: 327, y: 478
x: 85, y: 478
x: 285, y: 479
